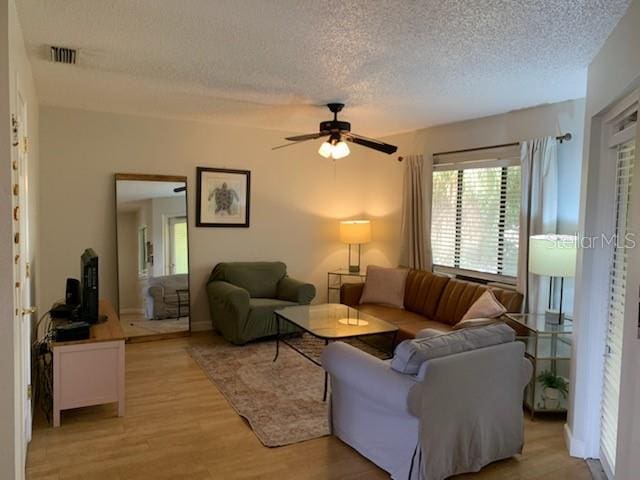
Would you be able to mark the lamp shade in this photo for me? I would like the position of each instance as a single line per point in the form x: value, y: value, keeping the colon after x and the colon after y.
x: 355, y: 231
x: 553, y: 255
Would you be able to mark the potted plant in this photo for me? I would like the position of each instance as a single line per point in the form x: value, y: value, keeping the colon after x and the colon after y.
x: 553, y: 388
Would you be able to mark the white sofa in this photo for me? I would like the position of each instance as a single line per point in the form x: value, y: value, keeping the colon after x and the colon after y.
x: 161, y: 298
x: 466, y: 408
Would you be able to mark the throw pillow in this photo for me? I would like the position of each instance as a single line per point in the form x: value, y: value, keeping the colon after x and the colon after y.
x: 384, y: 286
x: 474, y: 322
x: 487, y: 306
x: 411, y: 354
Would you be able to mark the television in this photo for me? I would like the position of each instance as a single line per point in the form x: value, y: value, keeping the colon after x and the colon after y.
x: 88, y: 309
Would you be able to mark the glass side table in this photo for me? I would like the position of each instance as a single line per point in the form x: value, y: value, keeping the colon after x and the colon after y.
x: 548, y: 347
x: 335, y: 280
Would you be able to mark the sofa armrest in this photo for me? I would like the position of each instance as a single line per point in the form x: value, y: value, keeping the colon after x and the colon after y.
x: 527, y: 372
x: 156, y: 292
x: 350, y: 294
x: 367, y: 374
x: 296, y: 291
x: 229, y: 308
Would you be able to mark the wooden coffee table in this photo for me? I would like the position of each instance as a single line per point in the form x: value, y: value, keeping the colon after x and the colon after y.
x: 330, y: 322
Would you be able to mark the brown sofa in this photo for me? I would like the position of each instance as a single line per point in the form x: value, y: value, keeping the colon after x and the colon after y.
x: 430, y: 301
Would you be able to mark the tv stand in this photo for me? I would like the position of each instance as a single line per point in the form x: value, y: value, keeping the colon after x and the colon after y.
x: 90, y: 372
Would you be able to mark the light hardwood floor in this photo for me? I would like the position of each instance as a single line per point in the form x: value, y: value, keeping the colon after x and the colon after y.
x: 178, y: 426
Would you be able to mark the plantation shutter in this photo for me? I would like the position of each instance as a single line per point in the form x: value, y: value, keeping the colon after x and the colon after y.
x: 475, y: 214
x: 625, y: 157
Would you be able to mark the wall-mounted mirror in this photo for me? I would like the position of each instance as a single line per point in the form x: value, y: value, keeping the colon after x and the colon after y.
x: 153, y: 255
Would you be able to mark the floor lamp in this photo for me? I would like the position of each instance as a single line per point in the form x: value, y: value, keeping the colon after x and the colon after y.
x: 553, y: 256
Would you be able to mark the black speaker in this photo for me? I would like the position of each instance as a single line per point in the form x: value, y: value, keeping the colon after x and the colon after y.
x: 72, y: 295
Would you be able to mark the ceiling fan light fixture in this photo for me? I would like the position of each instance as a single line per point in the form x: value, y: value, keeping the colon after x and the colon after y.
x: 326, y: 150
x: 337, y: 131
x: 340, y: 150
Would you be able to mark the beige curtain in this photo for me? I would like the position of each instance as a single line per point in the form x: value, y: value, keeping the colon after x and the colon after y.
x: 415, y: 251
x: 538, y: 214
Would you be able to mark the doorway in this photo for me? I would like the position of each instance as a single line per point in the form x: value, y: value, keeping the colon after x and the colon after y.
x: 178, y: 247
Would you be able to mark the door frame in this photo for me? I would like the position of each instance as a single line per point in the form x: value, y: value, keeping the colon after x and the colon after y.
x: 582, y: 431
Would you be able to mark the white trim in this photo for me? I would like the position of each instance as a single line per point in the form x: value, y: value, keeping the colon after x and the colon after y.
x: 592, y: 287
x: 575, y: 447
x: 622, y: 107
x: 492, y: 277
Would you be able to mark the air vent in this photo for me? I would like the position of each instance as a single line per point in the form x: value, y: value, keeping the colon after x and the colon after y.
x: 64, y: 55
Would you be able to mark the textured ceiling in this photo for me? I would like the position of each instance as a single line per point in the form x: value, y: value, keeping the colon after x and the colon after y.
x: 398, y: 65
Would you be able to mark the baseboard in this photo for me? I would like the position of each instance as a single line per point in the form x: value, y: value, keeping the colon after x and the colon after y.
x: 131, y: 311
x: 576, y: 448
x: 201, y: 326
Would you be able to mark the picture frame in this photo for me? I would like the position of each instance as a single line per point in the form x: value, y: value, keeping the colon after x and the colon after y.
x: 223, y: 197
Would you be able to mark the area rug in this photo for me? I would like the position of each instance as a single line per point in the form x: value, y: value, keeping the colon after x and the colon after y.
x: 281, y: 400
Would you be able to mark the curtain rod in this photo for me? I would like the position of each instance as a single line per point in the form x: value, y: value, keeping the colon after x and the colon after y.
x: 561, y: 138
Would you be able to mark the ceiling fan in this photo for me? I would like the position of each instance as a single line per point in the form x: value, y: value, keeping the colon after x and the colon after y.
x: 337, y: 132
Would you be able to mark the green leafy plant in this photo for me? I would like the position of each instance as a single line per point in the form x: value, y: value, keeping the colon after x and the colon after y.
x: 548, y: 379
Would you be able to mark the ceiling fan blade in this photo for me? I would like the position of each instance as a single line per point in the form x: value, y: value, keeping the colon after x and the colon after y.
x: 308, y: 136
x: 370, y: 143
x: 295, y: 143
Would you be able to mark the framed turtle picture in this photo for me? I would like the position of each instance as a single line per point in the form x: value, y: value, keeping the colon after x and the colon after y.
x: 223, y: 197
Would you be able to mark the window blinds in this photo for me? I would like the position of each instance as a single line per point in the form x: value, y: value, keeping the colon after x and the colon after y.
x: 475, y: 217
x: 625, y: 157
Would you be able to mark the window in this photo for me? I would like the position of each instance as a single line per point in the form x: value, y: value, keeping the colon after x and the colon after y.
x: 475, y: 217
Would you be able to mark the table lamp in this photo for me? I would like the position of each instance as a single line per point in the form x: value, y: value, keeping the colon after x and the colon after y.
x: 553, y: 256
x: 355, y: 232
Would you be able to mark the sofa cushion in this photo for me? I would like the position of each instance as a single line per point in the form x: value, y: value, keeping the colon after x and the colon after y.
x: 408, y: 323
x: 423, y: 291
x: 456, y: 299
x: 510, y: 298
x: 260, y: 279
x: 486, y: 306
x: 385, y: 286
x: 411, y: 354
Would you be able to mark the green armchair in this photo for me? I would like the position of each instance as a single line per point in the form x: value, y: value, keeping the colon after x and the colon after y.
x: 244, y: 295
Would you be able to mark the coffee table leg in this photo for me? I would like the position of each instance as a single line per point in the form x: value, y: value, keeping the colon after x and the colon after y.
x: 326, y: 383
x: 277, y: 338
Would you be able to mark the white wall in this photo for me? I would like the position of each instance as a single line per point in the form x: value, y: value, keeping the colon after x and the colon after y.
x: 297, y: 197
x: 614, y: 72
x: 130, y: 297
